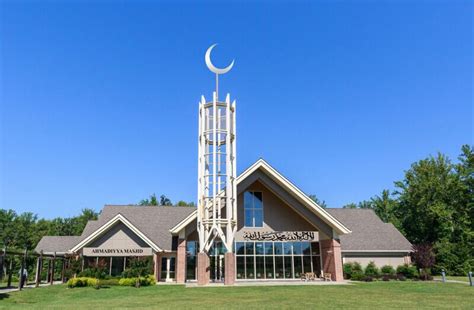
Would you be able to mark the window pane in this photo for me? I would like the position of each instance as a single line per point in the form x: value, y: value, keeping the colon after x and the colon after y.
x: 259, y: 267
x: 240, y: 267
x: 259, y: 248
x: 297, y: 248
x: 317, y: 265
x: 279, y: 267
x: 163, y: 267
x: 249, y: 248
x: 249, y: 266
x: 306, y: 263
x: 288, y: 267
x: 239, y: 248
x: 268, y: 248
x: 297, y: 266
x: 248, y: 200
x: 191, y: 247
x: 249, y: 218
x: 258, y: 214
x: 315, y: 248
x: 191, y: 267
x: 278, y: 248
x: 257, y: 202
x: 305, y: 246
x: 172, y: 267
x: 287, y: 248
x: 269, y: 267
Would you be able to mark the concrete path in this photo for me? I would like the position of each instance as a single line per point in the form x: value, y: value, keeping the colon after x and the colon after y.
x: 26, y: 287
x: 271, y: 283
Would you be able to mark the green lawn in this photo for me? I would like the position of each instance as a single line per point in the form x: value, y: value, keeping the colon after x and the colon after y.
x: 360, y: 295
x: 456, y: 278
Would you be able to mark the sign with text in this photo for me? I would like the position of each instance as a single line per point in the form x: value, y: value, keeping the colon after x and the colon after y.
x: 117, y: 252
x: 279, y: 236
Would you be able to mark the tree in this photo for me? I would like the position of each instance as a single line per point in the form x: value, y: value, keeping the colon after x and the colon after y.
x: 7, y: 228
x: 153, y: 201
x: 183, y: 203
x: 320, y: 203
x: 164, y: 201
x: 350, y: 206
x: 384, y: 207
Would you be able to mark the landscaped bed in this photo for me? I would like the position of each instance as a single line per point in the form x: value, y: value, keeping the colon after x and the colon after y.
x: 394, y: 294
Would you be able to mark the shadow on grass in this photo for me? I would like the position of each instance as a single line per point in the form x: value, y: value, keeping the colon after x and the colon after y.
x: 4, y: 296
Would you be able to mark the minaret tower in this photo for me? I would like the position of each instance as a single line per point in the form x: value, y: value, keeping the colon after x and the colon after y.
x: 217, y: 188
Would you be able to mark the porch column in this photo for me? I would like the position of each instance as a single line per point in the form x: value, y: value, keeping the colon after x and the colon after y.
x: 203, y: 272
x: 181, y: 261
x: 229, y: 263
x: 39, y: 268
x: 157, y: 258
x: 332, y: 259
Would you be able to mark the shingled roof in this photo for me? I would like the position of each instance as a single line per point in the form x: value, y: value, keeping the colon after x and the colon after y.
x: 369, y: 232
x: 153, y: 221
x: 58, y: 244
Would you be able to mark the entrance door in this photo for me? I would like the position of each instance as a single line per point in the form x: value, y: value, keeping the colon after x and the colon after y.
x: 217, y: 268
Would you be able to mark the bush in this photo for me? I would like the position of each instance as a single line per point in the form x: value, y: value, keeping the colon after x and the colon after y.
x: 386, y: 277
x: 388, y: 270
x: 401, y: 277
x: 408, y: 271
x: 109, y: 282
x: 82, y: 282
x: 94, y: 272
x: 143, y: 281
x: 347, y: 270
x: 371, y: 270
x: 357, y: 275
x: 368, y: 279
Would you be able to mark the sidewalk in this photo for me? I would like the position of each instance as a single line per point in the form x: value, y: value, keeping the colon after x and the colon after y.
x: 26, y: 287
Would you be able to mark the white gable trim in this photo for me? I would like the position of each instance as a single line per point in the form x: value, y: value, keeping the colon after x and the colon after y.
x: 118, y: 218
x: 285, y: 183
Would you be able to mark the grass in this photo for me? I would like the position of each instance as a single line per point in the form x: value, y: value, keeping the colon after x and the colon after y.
x: 456, y: 278
x: 357, y: 296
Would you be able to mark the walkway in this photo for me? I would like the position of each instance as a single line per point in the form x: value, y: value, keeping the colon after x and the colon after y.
x: 26, y: 287
x: 271, y: 283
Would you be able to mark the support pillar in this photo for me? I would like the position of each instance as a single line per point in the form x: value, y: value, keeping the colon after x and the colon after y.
x: 229, y: 263
x: 39, y: 268
x: 181, y: 262
x: 332, y: 258
x: 52, y: 262
x: 63, y: 270
x: 157, y: 264
x: 203, y: 271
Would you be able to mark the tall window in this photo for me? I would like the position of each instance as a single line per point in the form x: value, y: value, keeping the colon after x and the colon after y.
x: 253, y: 209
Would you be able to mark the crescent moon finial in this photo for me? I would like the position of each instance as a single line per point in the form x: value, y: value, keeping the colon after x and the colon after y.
x: 214, y: 68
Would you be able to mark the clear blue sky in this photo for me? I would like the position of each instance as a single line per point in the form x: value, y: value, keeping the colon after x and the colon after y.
x: 99, y: 100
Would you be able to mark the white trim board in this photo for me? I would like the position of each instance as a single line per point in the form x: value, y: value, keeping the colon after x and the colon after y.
x: 285, y: 183
x: 108, y: 225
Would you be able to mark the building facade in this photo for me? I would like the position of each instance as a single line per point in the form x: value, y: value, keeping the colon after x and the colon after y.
x: 281, y: 234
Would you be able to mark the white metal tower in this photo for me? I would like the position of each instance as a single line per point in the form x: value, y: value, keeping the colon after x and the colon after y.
x: 217, y: 189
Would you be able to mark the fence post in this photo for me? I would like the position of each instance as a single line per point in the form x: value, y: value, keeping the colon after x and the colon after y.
x: 470, y: 278
x: 443, y: 275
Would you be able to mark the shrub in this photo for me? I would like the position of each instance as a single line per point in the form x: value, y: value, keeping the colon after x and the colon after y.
x: 94, y: 272
x: 357, y: 275
x: 371, y: 270
x: 368, y: 279
x: 401, y: 277
x: 388, y: 270
x: 386, y: 277
x: 408, y: 271
x: 109, y: 282
x: 143, y: 281
x: 138, y: 267
x: 347, y: 270
x: 82, y: 282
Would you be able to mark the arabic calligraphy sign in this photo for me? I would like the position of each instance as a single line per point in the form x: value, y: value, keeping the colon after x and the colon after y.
x: 279, y: 236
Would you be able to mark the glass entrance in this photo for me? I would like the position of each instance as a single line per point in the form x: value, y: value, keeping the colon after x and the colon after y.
x: 216, y: 262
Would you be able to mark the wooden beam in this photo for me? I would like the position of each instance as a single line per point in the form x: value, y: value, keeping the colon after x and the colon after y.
x: 21, y: 283
x: 10, y: 273
x: 53, y: 261
x: 39, y: 268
